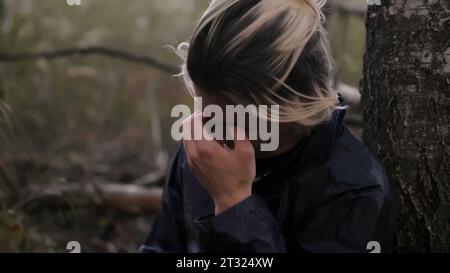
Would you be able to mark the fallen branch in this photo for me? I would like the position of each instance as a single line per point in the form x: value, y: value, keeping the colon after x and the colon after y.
x: 352, y: 98
x: 127, y: 198
x: 351, y: 94
x: 94, y: 50
x: 156, y: 176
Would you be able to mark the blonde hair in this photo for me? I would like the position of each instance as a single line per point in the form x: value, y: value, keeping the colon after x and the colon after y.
x: 264, y: 52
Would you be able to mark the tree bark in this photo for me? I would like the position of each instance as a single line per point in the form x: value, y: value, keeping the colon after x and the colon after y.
x: 406, y: 100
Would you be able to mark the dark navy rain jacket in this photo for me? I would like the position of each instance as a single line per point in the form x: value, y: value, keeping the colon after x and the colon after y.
x: 329, y: 195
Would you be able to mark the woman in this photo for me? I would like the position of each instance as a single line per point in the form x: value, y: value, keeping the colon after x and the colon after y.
x: 320, y: 191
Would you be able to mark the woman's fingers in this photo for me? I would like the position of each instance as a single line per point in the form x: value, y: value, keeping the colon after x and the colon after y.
x: 200, y: 143
x: 243, y: 147
x: 227, y: 174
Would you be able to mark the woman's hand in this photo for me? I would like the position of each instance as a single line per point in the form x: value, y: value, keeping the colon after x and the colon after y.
x: 227, y: 174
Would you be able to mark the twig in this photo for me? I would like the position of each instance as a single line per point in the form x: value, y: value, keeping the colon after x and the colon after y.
x: 93, y: 50
x: 159, y: 155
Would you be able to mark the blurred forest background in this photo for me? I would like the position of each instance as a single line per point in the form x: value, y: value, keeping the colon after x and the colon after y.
x: 85, y: 139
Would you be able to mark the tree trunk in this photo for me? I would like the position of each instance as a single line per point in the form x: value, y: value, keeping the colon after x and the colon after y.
x: 406, y: 100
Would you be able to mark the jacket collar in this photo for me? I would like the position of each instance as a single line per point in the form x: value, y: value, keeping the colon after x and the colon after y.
x: 314, y: 150
x: 324, y: 136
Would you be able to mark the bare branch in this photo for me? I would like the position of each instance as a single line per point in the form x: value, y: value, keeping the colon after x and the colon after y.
x: 94, y: 50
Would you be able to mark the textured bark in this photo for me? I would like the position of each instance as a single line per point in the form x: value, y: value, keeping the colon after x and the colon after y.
x: 406, y: 99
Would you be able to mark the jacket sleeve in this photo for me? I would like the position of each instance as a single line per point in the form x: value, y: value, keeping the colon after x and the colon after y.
x: 167, y: 234
x: 248, y: 227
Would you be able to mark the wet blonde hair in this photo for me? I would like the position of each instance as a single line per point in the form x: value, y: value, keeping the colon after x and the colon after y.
x: 263, y: 52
